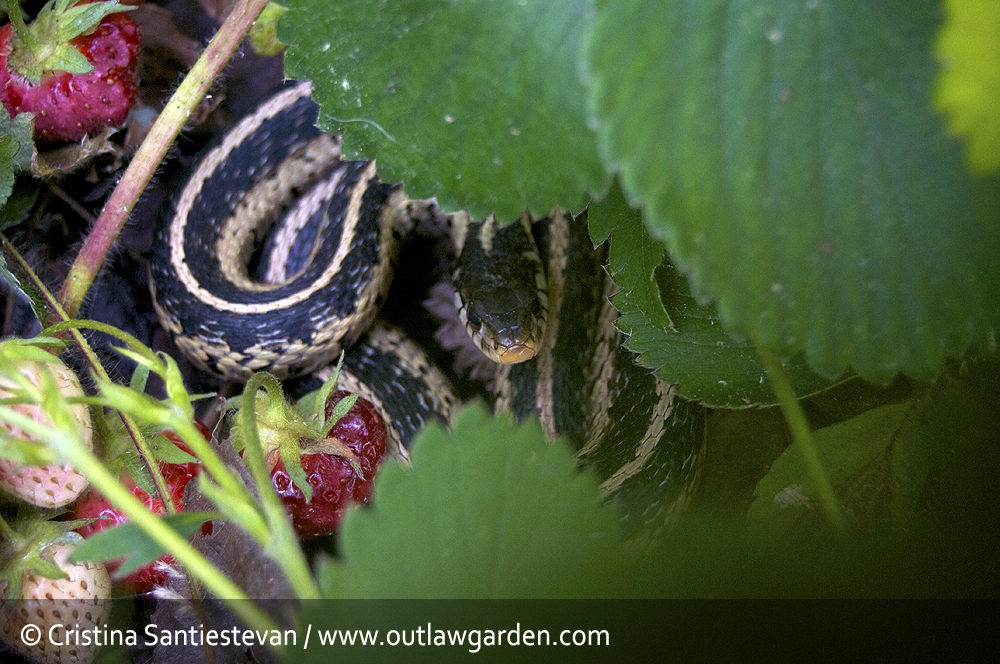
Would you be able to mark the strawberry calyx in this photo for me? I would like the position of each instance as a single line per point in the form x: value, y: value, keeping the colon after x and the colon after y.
x: 290, y: 433
x: 330, y: 445
x: 321, y: 455
x: 279, y: 429
x: 46, y: 45
x: 23, y: 548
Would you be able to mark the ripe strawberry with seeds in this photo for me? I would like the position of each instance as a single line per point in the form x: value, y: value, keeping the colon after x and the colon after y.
x: 322, y: 454
x: 340, y: 469
x: 73, y: 67
x: 92, y: 505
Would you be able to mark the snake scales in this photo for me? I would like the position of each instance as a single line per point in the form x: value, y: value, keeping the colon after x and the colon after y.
x: 278, y: 254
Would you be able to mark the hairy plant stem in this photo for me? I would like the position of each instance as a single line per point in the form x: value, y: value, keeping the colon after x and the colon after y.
x: 802, y: 436
x: 152, y: 151
x: 58, y: 314
x: 17, y: 22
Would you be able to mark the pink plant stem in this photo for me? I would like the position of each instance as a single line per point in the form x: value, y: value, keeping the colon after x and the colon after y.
x: 152, y: 151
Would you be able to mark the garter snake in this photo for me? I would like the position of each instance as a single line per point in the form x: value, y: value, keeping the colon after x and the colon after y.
x: 278, y: 253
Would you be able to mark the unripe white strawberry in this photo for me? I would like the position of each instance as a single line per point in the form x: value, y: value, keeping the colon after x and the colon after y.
x: 78, y: 602
x: 54, y: 485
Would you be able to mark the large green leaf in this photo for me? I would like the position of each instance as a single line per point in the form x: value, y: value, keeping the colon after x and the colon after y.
x: 789, y: 155
x: 477, y: 103
x: 968, y: 87
x: 487, y: 511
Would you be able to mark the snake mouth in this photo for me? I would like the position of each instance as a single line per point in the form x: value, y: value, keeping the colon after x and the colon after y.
x: 509, y: 345
x: 516, y: 353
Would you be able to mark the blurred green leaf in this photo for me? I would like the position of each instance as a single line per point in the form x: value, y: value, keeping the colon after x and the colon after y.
x: 787, y: 493
x: 789, y: 156
x: 968, y: 87
x: 487, y: 511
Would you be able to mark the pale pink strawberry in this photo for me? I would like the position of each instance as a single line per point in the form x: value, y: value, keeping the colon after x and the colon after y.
x: 79, y: 601
x: 54, y: 485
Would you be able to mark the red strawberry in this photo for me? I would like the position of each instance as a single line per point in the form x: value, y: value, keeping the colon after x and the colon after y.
x: 340, y: 469
x: 76, y: 77
x: 93, y: 505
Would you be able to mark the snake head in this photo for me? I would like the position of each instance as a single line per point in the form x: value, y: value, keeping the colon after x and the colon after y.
x: 507, y: 324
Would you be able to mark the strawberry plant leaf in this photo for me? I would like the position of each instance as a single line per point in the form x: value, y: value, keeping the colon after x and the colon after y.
x: 634, y: 255
x: 16, y: 148
x: 478, y: 104
x: 488, y: 510
x: 139, y: 473
x: 913, y: 466
x: 83, y: 18
x: 66, y: 58
x: 968, y: 86
x: 18, y: 204
x: 708, y: 364
x: 8, y: 148
x: 129, y: 542
x: 789, y: 155
x: 167, y: 451
x: 684, y: 341
x: 787, y: 493
x: 341, y: 409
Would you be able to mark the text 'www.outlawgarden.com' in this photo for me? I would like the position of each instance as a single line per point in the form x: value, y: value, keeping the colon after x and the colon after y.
x: 471, y: 639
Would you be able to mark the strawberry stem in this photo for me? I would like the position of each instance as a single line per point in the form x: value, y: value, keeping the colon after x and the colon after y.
x: 17, y: 20
x: 152, y: 151
x: 803, y: 439
x: 284, y: 545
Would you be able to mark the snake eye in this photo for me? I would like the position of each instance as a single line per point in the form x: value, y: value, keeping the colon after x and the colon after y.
x: 474, y: 318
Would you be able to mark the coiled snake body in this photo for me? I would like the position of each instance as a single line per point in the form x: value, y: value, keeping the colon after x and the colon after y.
x: 278, y: 254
